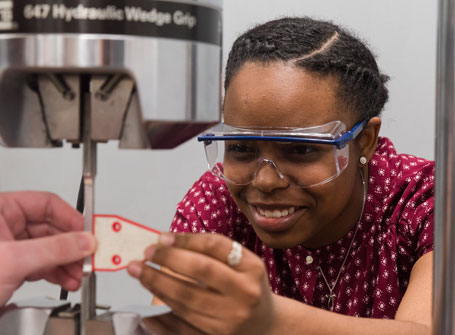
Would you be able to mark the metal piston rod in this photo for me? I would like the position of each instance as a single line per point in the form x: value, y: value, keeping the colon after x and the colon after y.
x: 444, y: 237
x: 88, y: 298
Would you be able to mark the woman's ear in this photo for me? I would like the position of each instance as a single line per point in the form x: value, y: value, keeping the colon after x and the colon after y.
x: 368, y: 139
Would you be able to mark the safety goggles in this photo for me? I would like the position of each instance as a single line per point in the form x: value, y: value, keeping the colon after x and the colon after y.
x: 304, y: 157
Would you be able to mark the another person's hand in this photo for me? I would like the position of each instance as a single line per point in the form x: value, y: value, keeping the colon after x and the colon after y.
x: 217, y: 298
x: 40, y: 238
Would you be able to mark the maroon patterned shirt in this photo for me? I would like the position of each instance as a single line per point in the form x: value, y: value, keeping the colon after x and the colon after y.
x: 395, y: 230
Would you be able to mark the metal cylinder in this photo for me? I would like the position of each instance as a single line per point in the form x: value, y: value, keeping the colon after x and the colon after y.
x: 170, y: 50
x: 444, y: 222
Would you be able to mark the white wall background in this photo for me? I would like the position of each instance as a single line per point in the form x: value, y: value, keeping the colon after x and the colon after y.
x: 146, y: 186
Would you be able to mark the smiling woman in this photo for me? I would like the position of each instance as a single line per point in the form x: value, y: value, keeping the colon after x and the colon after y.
x: 329, y: 216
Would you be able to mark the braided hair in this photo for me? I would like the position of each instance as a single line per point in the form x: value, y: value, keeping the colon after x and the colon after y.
x: 322, y: 48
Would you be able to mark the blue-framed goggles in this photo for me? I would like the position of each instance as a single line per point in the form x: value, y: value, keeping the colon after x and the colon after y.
x: 305, y: 157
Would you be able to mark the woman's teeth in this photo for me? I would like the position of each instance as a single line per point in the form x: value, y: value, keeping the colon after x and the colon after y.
x: 276, y: 213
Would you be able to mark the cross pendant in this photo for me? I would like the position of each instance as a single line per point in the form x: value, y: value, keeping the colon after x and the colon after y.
x: 331, y: 300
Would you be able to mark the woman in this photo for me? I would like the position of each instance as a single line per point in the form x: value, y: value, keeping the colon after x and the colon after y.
x: 334, y: 222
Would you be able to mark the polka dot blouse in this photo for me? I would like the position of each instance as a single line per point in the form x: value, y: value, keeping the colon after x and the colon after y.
x: 395, y: 230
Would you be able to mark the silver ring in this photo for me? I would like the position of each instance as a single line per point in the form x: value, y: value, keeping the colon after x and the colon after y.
x: 235, y: 255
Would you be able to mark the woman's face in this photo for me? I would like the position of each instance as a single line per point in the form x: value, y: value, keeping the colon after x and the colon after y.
x: 282, y: 95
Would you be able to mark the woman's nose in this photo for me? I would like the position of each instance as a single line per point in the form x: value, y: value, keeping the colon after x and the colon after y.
x: 267, y: 177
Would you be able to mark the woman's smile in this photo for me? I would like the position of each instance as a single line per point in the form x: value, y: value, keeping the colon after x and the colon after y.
x: 275, y: 218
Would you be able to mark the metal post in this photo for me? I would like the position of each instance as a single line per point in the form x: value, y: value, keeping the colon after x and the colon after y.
x: 88, y: 297
x: 444, y: 238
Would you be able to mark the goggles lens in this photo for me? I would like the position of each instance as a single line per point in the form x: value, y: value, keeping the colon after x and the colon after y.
x: 304, y: 165
x: 304, y: 162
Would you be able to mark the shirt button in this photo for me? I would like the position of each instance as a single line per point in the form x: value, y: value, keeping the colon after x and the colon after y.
x: 308, y: 259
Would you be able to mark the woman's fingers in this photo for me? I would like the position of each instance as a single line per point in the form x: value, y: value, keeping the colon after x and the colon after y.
x: 212, y: 245
x: 170, y: 324
x: 203, y: 257
x: 216, y: 297
x: 196, y: 266
x: 196, y: 305
x: 181, y: 295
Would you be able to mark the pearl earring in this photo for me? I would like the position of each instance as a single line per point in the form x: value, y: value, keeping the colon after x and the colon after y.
x: 363, y: 160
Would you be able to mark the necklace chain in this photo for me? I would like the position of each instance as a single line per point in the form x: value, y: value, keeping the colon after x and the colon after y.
x: 332, y: 296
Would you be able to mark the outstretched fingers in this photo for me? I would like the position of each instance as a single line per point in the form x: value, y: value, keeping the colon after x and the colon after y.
x: 44, y: 254
x: 21, y: 208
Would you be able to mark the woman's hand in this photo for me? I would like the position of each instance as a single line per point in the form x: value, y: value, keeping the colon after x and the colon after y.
x: 216, y: 298
x: 169, y: 324
x: 39, y: 240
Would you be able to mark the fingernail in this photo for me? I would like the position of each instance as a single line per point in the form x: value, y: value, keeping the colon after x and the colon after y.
x: 167, y: 239
x: 150, y: 251
x: 86, y: 241
x: 135, y: 270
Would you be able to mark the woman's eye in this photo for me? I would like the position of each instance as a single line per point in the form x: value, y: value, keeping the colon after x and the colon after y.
x: 301, y: 149
x: 239, y: 148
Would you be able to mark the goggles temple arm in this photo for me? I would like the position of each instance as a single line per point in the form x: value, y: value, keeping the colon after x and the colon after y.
x: 351, y: 134
x: 340, y: 143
